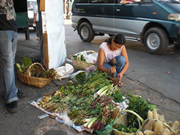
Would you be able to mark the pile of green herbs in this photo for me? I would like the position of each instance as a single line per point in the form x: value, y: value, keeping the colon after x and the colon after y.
x: 35, y: 70
x: 139, y: 105
x: 92, y: 103
x: 26, y: 62
x: 83, y: 107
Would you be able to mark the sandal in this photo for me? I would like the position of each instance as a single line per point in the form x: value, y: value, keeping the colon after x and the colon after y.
x: 120, y: 84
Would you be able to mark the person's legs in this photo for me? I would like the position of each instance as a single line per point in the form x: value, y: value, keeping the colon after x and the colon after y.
x: 37, y: 29
x: 8, y: 42
x: 120, y: 62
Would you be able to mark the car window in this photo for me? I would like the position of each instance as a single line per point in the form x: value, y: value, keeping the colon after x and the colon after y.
x: 101, y: 1
x: 31, y: 5
x: 82, y: 1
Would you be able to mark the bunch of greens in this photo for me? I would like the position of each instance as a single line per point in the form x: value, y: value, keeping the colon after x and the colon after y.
x: 36, y: 71
x: 116, y: 94
x: 75, y: 57
x: 50, y: 73
x: 140, y: 106
x: 80, y: 77
x: 125, y: 129
x: 26, y: 62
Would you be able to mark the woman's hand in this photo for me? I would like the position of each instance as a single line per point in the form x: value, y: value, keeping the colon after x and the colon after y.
x: 120, y: 77
x: 113, y: 69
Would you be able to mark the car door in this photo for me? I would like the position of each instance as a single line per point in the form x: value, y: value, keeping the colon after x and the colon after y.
x: 100, y: 13
x: 130, y: 19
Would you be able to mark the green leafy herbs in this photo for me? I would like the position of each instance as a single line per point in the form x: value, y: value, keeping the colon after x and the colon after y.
x: 37, y: 71
x: 117, y: 96
x: 26, y: 62
x: 80, y: 77
x: 50, y: 73
x: 140, y: 106
x: 125, y: 129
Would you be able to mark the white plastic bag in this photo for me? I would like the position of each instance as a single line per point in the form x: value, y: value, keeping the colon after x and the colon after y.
x: 91, y: 58
x: 74, y: 75
x: 64, y: 71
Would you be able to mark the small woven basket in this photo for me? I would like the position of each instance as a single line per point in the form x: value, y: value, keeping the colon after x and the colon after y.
x: 33, y: 81
x: 82, y: 65
x: 123, y: 121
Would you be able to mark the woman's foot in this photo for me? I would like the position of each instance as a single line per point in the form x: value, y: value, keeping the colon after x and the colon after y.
x: 120, y: 84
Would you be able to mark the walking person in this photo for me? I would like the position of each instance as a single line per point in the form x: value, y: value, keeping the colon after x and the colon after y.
x: 113, y: 48
x: 36, y: 21
x: 8, y: 44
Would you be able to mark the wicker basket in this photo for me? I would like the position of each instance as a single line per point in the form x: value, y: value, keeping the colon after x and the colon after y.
x: 140, y: 121
x: 33, y: 81
x: 82, y: 64
x: 164, y: 124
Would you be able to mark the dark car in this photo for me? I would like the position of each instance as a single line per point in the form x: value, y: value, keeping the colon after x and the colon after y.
x: 156, y: 23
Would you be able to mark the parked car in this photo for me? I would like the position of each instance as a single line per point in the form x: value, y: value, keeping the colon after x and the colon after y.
x: 31, y: 5
x: 156, y: 23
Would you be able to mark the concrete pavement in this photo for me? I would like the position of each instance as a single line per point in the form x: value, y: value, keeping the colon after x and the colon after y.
x: 26, y: 122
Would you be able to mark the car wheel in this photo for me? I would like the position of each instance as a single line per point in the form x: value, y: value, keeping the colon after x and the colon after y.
x: 86, y: 32
x: 156, y: 40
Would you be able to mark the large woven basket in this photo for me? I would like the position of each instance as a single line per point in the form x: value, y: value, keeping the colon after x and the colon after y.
x: 33, y: 81
x: 164, y: 124
x: 140, y: 121
x: 78, y: 64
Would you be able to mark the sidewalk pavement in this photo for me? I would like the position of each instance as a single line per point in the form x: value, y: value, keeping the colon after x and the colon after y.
x: 26, y: 122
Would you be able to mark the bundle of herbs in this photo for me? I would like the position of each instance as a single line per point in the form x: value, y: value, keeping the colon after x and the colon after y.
x: 101, y: 109
x: 140, y: 106
x: 26, y: 62
x: 37, y: 71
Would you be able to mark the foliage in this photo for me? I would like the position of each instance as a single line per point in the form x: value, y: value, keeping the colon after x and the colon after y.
x: 50, y: 73
x: 125, y: 129
x: 36, y: 71
x: 26, y: 62
x: 140, y: 106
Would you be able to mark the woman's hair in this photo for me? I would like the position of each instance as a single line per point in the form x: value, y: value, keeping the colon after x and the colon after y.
x: 118, y: 39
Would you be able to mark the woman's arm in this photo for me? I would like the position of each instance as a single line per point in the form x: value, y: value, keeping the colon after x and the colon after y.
x: 101, y: 61
x: 124, y: 54
x: 125, y: 2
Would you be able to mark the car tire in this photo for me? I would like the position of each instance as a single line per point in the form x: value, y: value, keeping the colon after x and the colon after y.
x: 86, y: 32
x: 156, y: 40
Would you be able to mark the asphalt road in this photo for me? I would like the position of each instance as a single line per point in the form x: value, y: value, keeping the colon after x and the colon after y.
x: 158, y: 72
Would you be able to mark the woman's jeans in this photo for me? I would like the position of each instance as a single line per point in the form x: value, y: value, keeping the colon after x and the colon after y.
x: 8, y: 44
x: 120, y: 62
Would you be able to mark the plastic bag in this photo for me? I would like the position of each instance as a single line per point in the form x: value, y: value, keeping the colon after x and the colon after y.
x: 64, y: 71
x: 90, y: 69
x: 82, y: 54
x: 79, y: 76
x: 91, y: 58
x: 107, y: 130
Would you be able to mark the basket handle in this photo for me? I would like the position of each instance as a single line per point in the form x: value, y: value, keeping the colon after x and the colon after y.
x: 139, y: 118
x: 36, y: 63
